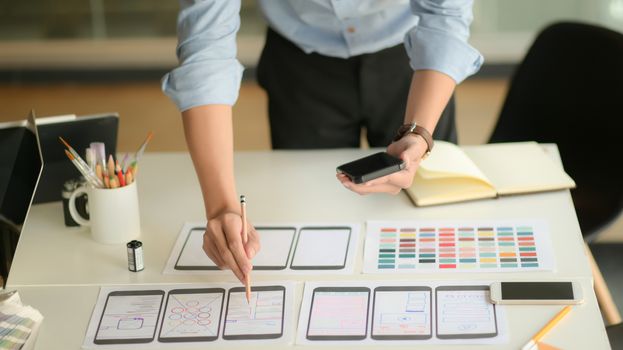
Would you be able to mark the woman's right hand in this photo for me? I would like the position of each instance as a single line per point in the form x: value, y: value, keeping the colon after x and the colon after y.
x: 222, y: 242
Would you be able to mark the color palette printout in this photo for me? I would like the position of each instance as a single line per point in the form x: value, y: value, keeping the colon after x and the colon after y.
x: 167, y: 316
x: 496, y: 246
x: 399, y: 313
x: 286, y: 248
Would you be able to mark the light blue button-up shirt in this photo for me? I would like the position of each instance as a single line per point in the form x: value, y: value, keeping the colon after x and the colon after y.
x: 434, y: 32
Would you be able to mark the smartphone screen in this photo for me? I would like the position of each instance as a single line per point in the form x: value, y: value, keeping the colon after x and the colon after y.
x: 339, y: 313
x: 262, y: 318
x: 371, y: 167
x: 321, y: 248
x: 402, y: 313
x: 537, y: 291
x: 465, y: 312
x: 129, y: 317
x: 192, y: 315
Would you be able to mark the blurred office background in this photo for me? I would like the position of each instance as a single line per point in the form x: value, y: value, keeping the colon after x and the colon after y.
x: 92, y: 56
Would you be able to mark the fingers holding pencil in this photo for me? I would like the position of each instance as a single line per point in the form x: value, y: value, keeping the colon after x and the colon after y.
x: 253, y: 246
x: 223, y: 243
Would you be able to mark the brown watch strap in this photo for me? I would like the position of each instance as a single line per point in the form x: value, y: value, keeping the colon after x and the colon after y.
x: 416, y: 129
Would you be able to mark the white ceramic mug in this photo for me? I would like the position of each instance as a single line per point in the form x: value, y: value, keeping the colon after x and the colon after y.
x: 114, y: 213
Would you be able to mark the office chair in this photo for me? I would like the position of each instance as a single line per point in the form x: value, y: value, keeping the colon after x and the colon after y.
x: 568, y: 90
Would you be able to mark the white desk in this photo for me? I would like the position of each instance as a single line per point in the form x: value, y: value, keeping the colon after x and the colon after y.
x: 280, y: 186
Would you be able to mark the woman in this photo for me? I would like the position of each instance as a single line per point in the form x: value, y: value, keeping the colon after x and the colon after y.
x: 330, y: 67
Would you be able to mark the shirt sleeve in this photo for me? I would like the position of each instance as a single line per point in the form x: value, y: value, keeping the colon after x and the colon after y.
x: 208, y: 71
x: 439, y: 40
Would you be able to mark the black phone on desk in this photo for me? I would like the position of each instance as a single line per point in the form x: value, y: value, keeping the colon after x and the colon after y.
x: 536, y: 292
x: 371, y: 167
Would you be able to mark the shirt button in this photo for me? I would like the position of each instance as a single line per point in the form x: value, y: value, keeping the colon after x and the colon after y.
x: 350, y: 29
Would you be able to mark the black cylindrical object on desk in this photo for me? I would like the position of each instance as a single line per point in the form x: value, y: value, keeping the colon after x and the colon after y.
x: 81, y: 202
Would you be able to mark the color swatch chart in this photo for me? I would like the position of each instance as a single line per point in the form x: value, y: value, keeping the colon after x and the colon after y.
x: 464, y: 246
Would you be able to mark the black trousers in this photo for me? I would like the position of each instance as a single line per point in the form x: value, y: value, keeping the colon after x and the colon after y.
x: 317, y: 101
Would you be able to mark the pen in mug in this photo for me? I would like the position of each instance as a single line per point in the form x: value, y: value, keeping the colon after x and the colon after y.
x: 98, y: 171
x: 81, y: 165
x: 75, y: 154
x: 120, y: 175
x: 100, y: 154
x: 89, y: 155
x: 129, y: 178
x: 141, y: 149
x: 124, y: 163
x: 133, y: 167
x: 87, y: 173
x: 110, y: 166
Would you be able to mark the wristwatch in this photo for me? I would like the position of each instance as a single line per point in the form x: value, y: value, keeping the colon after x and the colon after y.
x: 418, y: 130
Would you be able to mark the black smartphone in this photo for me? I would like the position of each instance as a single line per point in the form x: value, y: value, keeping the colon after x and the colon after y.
x: 542, y: 292
x: 371, y: 167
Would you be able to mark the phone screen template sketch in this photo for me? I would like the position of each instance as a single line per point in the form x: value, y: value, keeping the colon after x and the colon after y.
x: 279, y: 239
x: 129, y: 317
x: 192, y: 315
x: 338, y: 313
x: 465, y: 312
x: 402, y: 313
x: 262, y: 320
x: 321, y: 248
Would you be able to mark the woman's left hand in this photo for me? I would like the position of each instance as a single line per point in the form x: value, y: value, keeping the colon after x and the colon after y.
x: 410, y: 149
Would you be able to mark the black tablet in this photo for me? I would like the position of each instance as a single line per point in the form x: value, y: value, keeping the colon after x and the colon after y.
x: 79, y: 132
x: 21, y: 163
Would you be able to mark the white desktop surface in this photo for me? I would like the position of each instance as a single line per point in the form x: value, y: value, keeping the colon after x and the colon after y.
x: 55, y: 267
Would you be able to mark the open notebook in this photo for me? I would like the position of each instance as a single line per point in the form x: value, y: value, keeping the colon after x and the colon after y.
x: 453, y: 174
